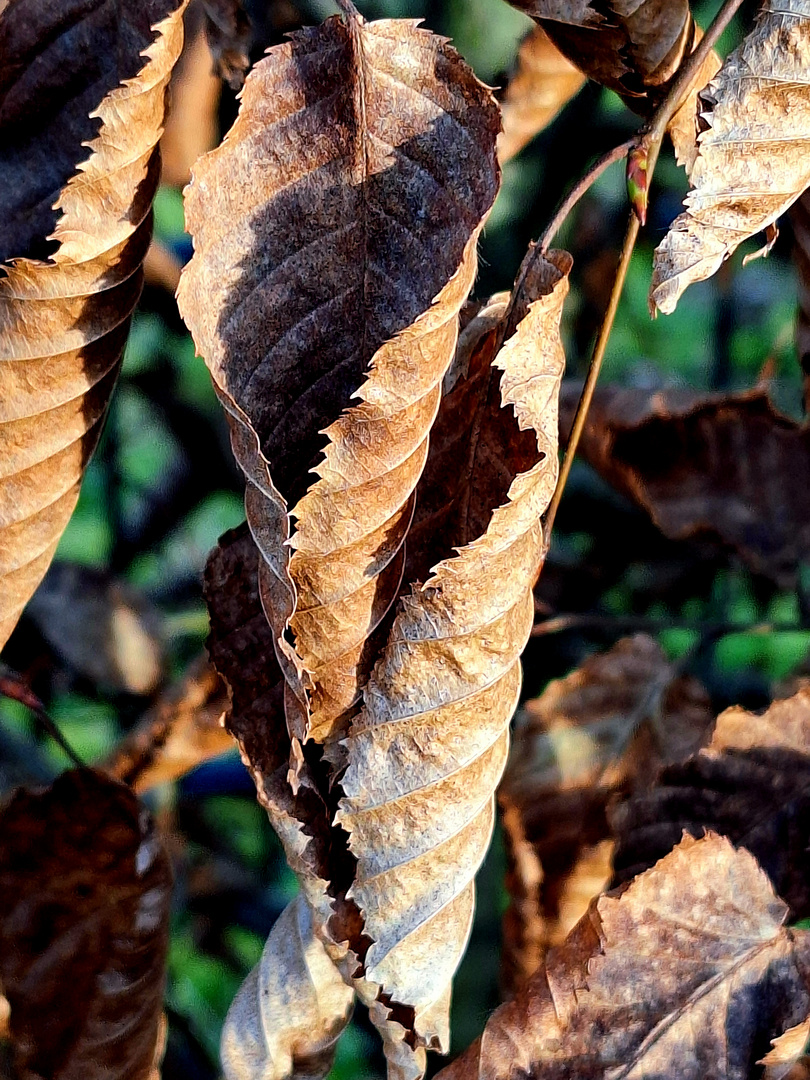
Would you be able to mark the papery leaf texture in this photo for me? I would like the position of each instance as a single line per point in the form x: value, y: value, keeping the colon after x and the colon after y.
x: 632, y: 46
x: 751, y: 783
x: 542, y: 83
x: 429, y: 744
x: 82, y: 103
x: 721, y: 466
x: 305, y: 1004
x: 752, y: 160
x: 689, y: 972
x: 419, y: 824
x: 602, y: 730
x: 85, y: 888
x: 334, y: 233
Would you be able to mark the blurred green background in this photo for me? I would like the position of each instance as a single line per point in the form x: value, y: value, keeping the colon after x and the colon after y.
x: 162, y: 488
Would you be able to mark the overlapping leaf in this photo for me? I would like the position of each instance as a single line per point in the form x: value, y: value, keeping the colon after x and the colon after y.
x: 721, y: 465
x: 752, y: 160
x: 632, y: 46
x: 428, y: 747
x: 752, y: 783
x: 305, y: 1004
x: 85, y: 887
x: 330, y: 274
x: 63, y: 322
x: 605, y: 728
x: 689, y: 972
x: 544, y: 80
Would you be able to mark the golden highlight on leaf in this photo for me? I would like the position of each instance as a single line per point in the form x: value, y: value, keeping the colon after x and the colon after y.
x: 85, y: 888
x: 752, y: 160
x: 429, y: 745
x: 606, y: 727
x: 690, y: 966
x: 751, y: 783
x: 324, y: 294
x: 543, y: 82
x: 288, y: 1014
x: 63, y: 323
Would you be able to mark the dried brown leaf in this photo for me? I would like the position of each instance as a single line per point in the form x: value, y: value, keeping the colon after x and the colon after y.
x: 85, y: 886
x: 290, y: 1024
x: 784, y: 1060
x: 632, y: 46
x: 288, y: 1014
x: 751, y: 783
x: 191, y: 126
x: 721, y: 465
x: 689, y: 972
x: 429, y: 745
x: 543, y: 82
x: 329, y: 275
x: 752, y: 160
x: 102, y: 627
x: 63, y: 323
x: 605, y: 728
x: 229, y: 35
x: 181, y: 730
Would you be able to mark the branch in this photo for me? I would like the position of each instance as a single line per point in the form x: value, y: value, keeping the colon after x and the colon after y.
x: 649, y: 144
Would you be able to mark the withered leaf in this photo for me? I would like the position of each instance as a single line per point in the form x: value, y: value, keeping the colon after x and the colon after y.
x: 288, y: 1014
x: 543, y: 82
x: 632, y: 46
x: 260, y: 1033
x: 605, y: 728
x: 689, y: 972
x: 241, y: 648
x: 85, y: 886
x: 751, y: 783
x: 229, y: 35
x: 182, y: 729
x: 429, y: 745
x: 102, y: 627
x: 327, y: 274
x: 191, y: 127
x: 786, y: 1059
x: 721, y: 465
x: 752, y: 160
x: 63, y: 323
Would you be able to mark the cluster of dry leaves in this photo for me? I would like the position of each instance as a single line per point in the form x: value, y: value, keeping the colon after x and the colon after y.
x: 399, y: 445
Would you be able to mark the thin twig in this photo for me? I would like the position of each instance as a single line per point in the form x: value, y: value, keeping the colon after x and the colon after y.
x: 594, y: 368
x: 13, y: 687
x: 651, y: 138
x: 580, y: 188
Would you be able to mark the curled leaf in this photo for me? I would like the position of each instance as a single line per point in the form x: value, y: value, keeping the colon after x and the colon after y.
x: 632, y: 46
x: 429, y: 745
x: 543, y: 82
x: 63, y: 323
x: 85, y: 887
x: 690, y: 966
x: 605, y: 728
x: 752, y: 783
x: 324, y: 293
x: 289, y: 1012
x: 752, y: 160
